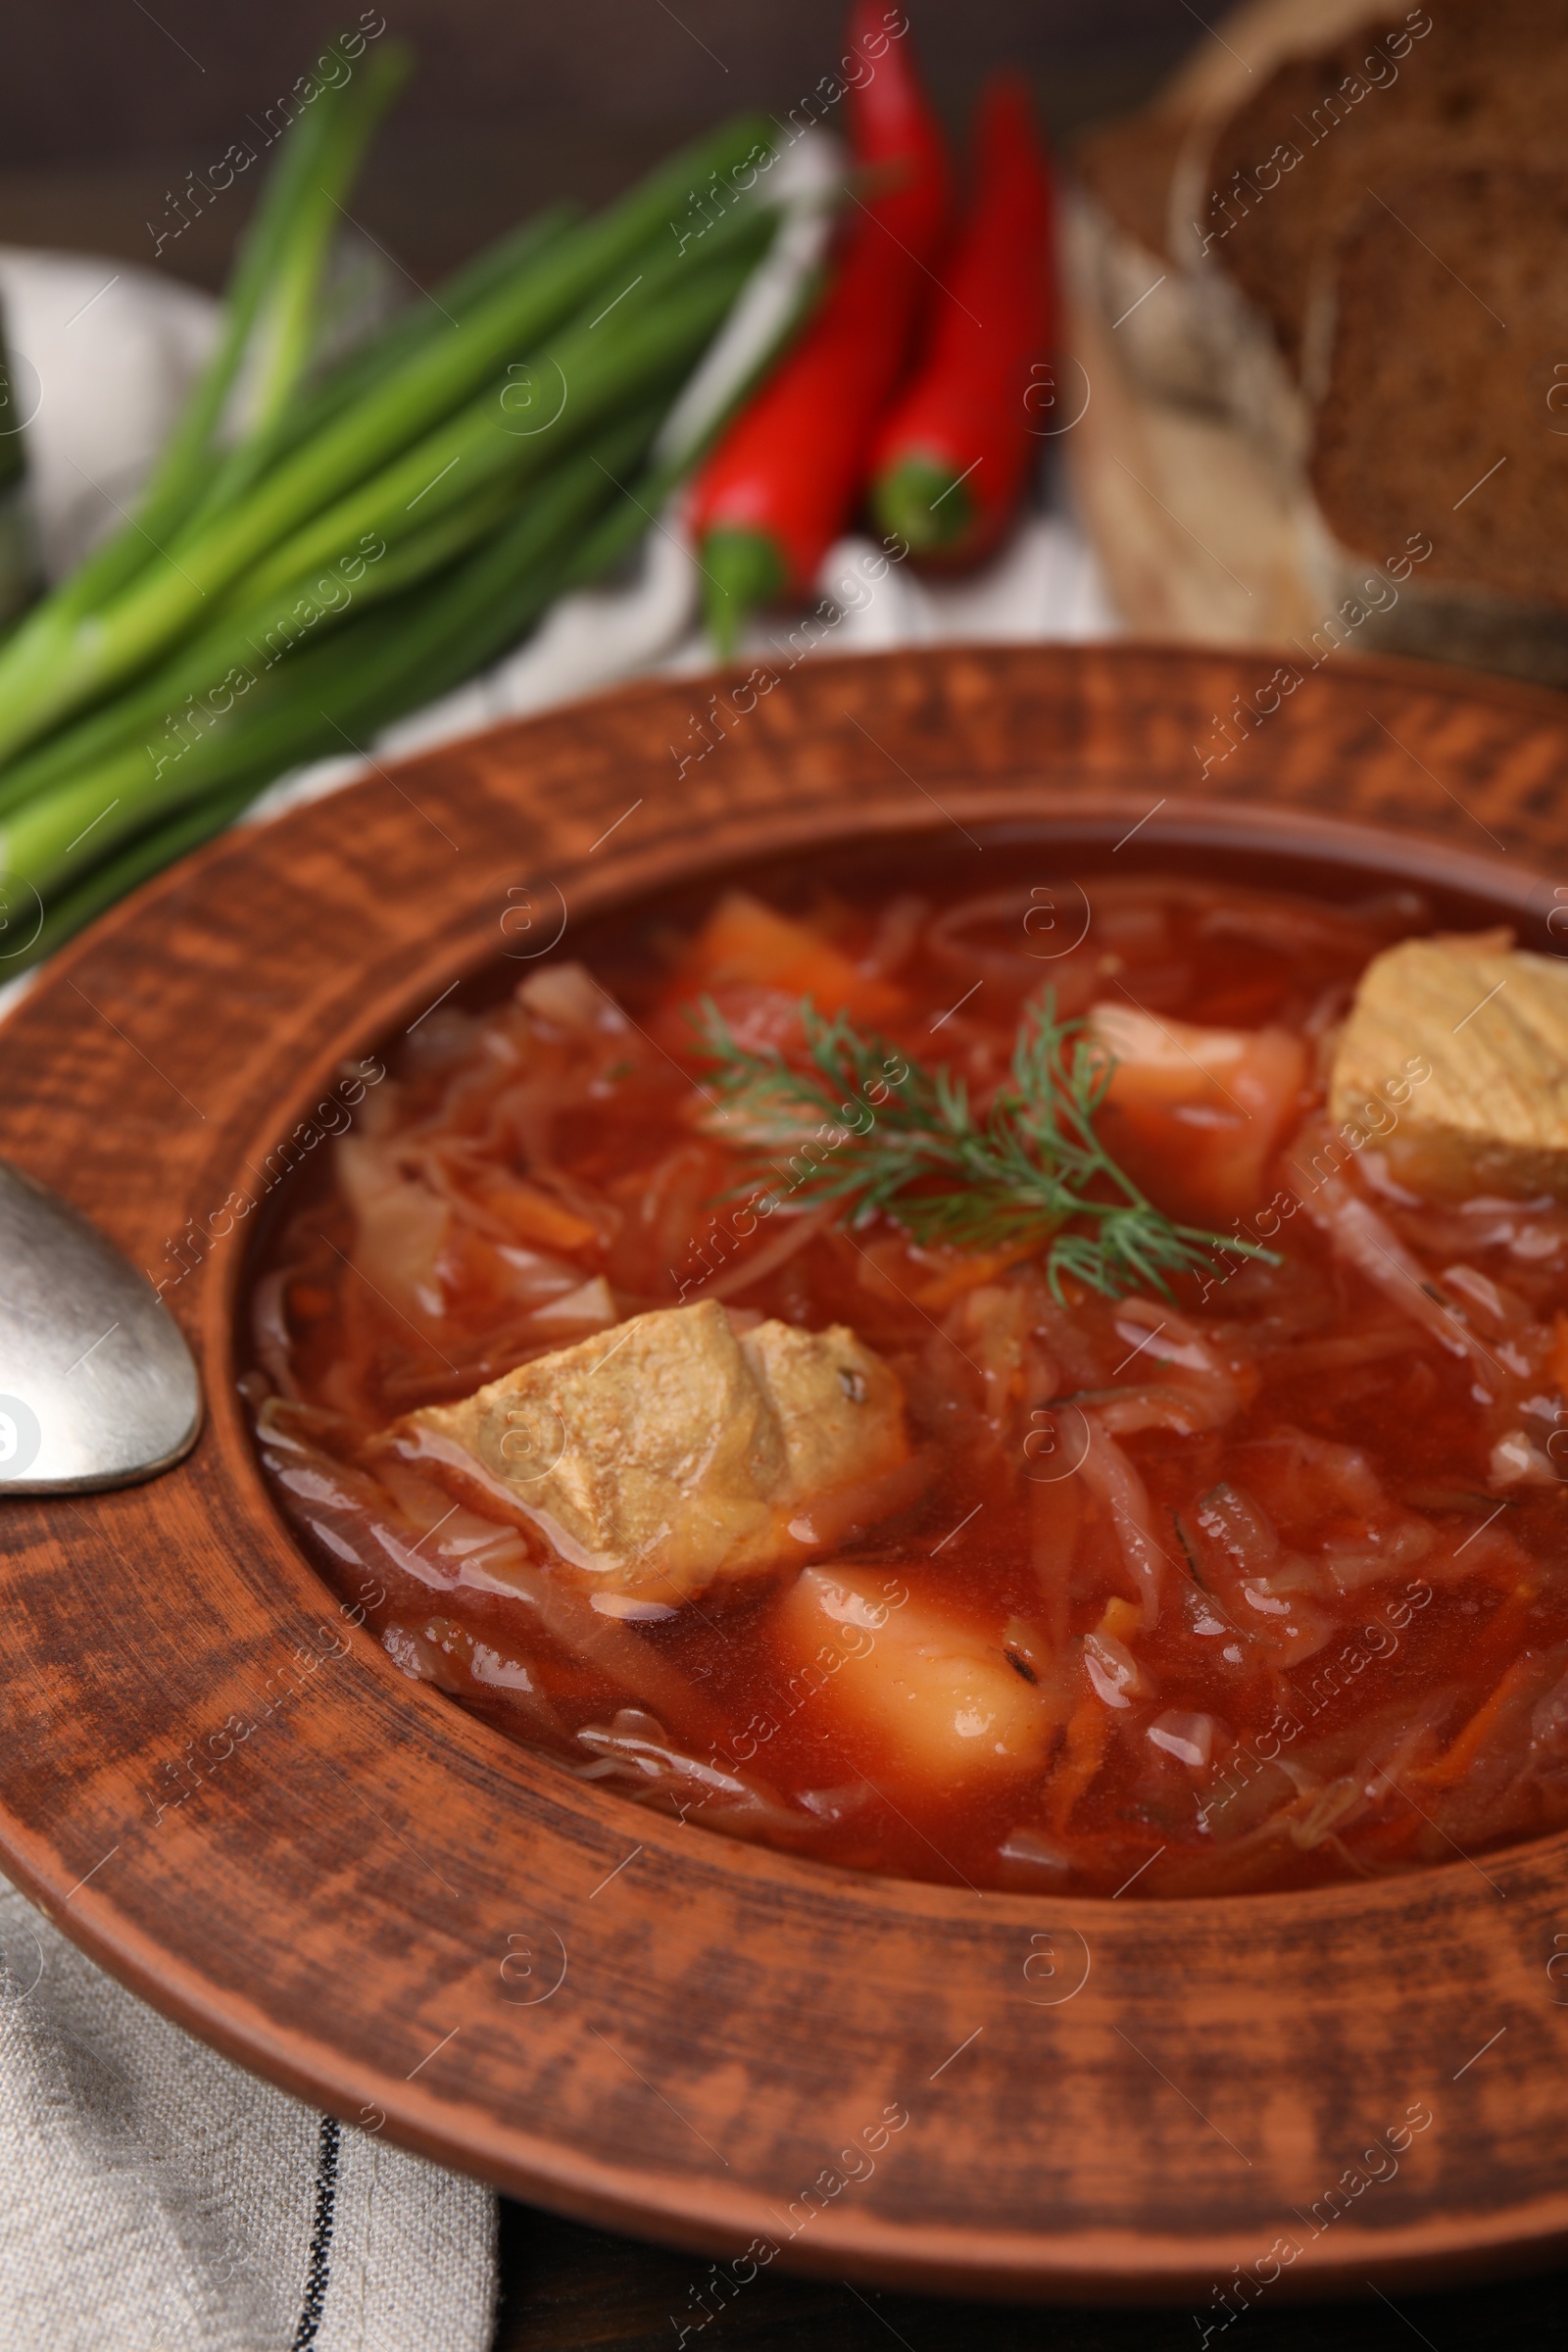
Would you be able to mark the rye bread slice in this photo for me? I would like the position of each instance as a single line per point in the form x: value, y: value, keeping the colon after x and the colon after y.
x: 1446, y: 408
x: 1129, y: 166
x: 1340, y: 310
x: 1289, y: 167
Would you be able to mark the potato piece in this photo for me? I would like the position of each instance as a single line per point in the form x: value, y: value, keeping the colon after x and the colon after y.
x: 667, y: 1453
x: 1199, y: 1111
x: 1166, y: 1060
x: 912, y: 1688
x: 1490, y: 1023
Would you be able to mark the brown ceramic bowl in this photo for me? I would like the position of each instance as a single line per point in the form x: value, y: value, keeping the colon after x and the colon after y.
x: 233, y: 1800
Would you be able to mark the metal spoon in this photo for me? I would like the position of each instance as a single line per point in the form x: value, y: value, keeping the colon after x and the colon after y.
x: 97, y: 1386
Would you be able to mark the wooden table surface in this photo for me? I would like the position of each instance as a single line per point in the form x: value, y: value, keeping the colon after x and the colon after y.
x: 564, y: 2289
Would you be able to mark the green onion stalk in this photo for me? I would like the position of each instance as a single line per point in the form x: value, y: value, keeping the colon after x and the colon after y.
x: 316, y: 554
x: 423, y: 645
x: 272, y: 291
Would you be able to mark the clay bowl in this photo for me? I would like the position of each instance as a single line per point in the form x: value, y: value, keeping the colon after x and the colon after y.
x: 231, y: 1798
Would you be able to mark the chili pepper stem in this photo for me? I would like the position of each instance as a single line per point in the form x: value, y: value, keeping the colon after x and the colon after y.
x: 927, y: 503
x: 741, y: 570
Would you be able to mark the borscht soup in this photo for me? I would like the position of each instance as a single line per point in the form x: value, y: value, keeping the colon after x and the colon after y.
x: 963, y: 1364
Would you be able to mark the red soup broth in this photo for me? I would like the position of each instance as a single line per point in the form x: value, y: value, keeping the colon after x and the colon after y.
x: 1236, y: 1596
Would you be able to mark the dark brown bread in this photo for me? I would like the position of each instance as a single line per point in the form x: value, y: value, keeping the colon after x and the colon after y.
x: 1439, y: 382
x: 1486, y: 79
x: 1393, y: 208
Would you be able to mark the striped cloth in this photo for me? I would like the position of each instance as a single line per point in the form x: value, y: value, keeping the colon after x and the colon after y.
x: 159, y: 2200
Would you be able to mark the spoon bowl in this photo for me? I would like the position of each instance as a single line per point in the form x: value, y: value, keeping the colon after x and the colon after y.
x: 97, y: 1386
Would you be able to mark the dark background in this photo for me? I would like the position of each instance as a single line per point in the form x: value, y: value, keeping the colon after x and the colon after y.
x: 105, y: 107
x: 565, y: 2289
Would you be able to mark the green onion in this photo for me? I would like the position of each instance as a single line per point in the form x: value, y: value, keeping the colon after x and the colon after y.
x: 249, y: 642
x: 330, y: 695
x: 377, y: 531
x: 371, y: 361
x: 284, y: 245
x: 589, y: 369
x: 62, y: 656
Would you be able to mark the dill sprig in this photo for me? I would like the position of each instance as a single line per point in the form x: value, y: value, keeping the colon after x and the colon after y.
x: 878, y: 1131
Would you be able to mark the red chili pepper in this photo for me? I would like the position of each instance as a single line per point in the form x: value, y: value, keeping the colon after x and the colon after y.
x: 784, y: 479
x: 950, y: 457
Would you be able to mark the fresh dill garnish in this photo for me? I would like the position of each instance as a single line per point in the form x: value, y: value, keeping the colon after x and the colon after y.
x: 877, y: 1132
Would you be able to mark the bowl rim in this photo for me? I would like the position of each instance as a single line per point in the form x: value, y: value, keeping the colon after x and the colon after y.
x: 658, y: 2198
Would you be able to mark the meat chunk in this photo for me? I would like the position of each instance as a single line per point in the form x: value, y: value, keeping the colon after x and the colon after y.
x: 672, y: 1452
x: 1455, y: 1059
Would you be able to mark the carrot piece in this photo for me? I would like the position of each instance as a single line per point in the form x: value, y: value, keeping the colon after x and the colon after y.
x: 1458, y: 1758
x: 1558, y: 1362
x: 1122, y: 1618
x: 966, y: 1272
x: 532, y: 1216
x: 746, y: 942
x: 1088, y: 1729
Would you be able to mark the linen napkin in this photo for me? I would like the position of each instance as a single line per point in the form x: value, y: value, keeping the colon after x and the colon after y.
x: 160, y: 2200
